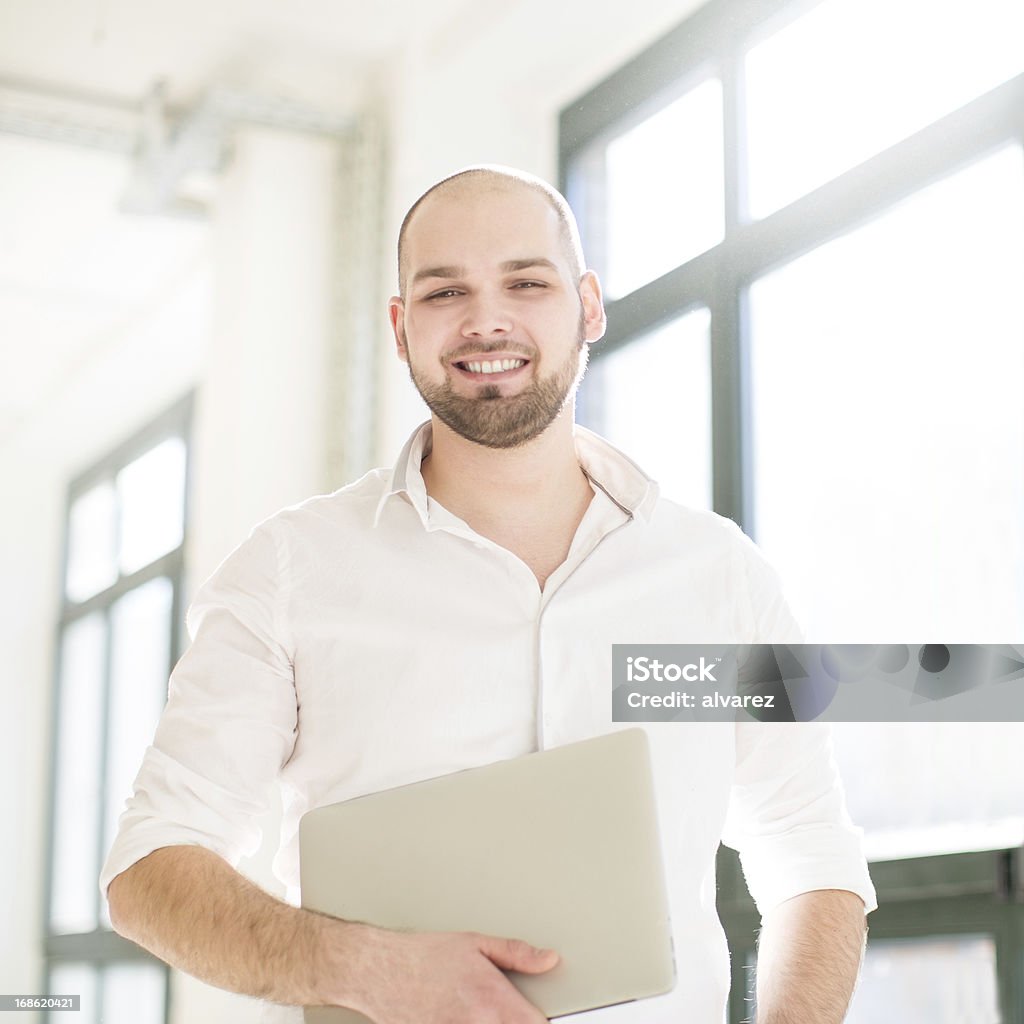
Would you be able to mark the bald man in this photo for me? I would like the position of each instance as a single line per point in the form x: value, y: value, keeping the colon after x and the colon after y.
x: 456, y: 610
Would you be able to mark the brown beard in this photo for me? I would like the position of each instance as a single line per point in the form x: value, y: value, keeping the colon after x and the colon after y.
x: 496, y: 421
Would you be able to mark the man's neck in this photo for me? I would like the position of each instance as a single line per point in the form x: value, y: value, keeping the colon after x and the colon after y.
x: 528, y: 500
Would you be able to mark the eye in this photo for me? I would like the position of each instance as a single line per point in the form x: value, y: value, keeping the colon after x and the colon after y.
x: 444, y: 293
x: 526, y: 285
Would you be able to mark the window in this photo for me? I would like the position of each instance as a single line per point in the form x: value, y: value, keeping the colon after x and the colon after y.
x: 673, y: 401
x: 118, y: 636
x: 944, y: 945
x: 810, y: 218
x: 880, y: 72
x: 884, y: 366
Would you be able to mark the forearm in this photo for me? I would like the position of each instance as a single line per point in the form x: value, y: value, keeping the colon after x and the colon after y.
x: 193, y: 910
x: 809, y: 955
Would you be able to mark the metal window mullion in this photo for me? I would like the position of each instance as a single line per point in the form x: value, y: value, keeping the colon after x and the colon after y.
x: 584, y: 183
x: 51, y: 837
x: 56, y: 691
x: 1010, y: 936
x: 101, y: 971
x: 105, y: 726
x: 1010, y: 964
x: 741, y: 987
x: 104, y: 744
x: 166, y: 565
x: 729, y: 375
x: 167, y: 993
x: 173, y: 422
x: 177, y: 616
x: 99, y: 945
x: 663, y: 299
x: 703, y: 37
x: 180, y: 575
x: 881, y: 182
x: 729, y: 334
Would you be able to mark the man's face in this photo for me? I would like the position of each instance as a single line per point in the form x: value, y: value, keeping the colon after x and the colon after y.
x: 493, y: 326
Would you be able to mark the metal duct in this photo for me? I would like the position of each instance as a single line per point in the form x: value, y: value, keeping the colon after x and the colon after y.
x: 166, y: 147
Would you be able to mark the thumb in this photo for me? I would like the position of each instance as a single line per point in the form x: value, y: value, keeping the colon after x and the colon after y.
x: 517, y: 955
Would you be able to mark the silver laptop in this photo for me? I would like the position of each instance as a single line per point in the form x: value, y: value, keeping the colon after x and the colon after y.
x: 559, y: 848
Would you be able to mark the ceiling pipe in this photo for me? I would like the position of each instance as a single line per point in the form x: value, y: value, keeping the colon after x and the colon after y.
x: 167, y: 147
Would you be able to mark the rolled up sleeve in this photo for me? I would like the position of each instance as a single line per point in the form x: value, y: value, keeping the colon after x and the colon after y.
x: 787, y: 815
x: 229, y: 723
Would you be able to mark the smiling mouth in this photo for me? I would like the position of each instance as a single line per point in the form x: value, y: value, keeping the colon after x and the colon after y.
x: 485, y: 366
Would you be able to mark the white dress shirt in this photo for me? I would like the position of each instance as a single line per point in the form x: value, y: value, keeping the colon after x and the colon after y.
x: 369, y: 638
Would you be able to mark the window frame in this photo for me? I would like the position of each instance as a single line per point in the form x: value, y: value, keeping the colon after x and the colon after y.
x: 918, y: 897
x: 715, y: 38
x: 979, y: 892
x: 103, y: 947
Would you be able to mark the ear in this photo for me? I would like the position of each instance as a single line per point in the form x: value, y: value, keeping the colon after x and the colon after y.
x: 594, y: 320
x: 396, y: 312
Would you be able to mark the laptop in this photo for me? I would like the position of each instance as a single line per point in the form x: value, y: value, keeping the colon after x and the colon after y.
x: 559, y: 848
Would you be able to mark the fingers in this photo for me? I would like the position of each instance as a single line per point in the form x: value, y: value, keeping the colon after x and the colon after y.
x: 516, y: 955
x: 503, y: 1002
x: 454, y: 977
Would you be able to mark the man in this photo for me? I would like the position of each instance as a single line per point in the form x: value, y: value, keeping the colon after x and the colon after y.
x: 460, y: 610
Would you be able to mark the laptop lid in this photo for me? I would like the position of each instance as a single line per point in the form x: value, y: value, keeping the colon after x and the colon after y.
x: 559, y: 848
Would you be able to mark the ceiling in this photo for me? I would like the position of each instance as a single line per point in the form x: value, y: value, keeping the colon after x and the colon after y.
x: 72, y: 265
x: 118, y: 48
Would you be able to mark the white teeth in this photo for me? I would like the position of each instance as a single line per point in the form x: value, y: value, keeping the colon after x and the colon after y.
x: 495, y: 366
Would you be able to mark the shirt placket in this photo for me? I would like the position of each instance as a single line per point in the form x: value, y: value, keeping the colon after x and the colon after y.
x: 603, y: 517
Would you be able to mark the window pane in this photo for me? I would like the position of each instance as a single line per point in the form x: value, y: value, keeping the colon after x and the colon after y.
x: 133, y: 993
x: 77, y: 807
x: 75, y: 980
x: 949, y: 786
x: 852, y: 77
x: 91, y: 532
x: 151, y: 491
x: 947, y: 980
x: 140, y: 655
x: 887, y: 423
x: 655, y: 402
x: 665, y: 190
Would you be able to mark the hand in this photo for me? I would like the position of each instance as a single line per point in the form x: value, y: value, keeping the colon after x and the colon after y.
x: 447, y: 978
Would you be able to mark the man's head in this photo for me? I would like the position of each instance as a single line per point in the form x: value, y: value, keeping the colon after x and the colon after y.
x: 487, y: 177
x: 495, y: 309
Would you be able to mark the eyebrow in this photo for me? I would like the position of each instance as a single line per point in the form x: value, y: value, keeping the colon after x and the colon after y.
x: 508, y: 267
x: 511, y: 266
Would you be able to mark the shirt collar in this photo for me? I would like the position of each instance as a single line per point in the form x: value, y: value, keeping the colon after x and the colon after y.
x: 405, y: 478
x: 616, y: 474
x: 606, y: 467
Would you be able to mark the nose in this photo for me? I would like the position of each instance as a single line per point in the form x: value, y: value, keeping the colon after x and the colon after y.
x: 486, y: 316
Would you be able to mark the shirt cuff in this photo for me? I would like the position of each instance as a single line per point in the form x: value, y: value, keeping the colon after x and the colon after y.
x: 174, y: 806
x: 806, y: 859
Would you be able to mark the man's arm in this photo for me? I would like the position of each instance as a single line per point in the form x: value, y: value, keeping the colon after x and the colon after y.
x: 192, y: 909
x: 809, y: 956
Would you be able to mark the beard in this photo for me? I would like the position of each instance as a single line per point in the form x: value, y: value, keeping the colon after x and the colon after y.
x: 495, y: 420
